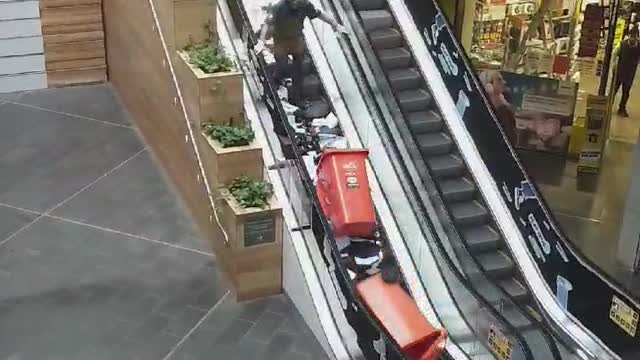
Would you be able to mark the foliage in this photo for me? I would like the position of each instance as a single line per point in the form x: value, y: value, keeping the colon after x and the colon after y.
x: 209, y: 58
x: 250, y: 192
x: 229, y: 136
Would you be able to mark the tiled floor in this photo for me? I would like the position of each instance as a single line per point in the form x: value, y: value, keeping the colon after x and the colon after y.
x: 98, y: 260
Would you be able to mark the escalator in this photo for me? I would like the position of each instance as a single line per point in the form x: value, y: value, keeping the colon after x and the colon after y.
x: 474, y: 228
x: 380, y: 330
x: 463, y: 207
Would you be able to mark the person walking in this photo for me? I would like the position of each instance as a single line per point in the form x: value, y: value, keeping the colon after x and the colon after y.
x: 285, y: 24
x: 628, y: 55
x: 495, y: 86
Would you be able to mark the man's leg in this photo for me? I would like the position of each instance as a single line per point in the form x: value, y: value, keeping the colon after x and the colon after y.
x: 296, y: 96
x: 626, y: 90
x: 281, y: 55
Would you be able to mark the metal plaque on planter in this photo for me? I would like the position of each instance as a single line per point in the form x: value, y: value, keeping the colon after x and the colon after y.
x: 259, y: 230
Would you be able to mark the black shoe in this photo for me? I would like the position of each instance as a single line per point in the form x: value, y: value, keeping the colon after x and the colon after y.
x: 623, y: 113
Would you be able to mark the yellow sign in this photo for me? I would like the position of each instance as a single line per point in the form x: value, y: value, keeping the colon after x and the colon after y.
x: 500, y: 344
x: 624, y: 316
x: 620, y: 26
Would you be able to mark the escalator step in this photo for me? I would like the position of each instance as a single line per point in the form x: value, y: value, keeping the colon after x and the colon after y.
x: 456, y: 190
x: 414, y: 100
x: 516, y: 318
x: 312, y: 85
x: 395, y: 58
x: 386, y: 38
x: 403, y: 79
x: 317, y: 108
x: 515, y: 289
x: 481, y: 238
x: 495, y: 264
x: 369, y: 4
x: 469, y: 213
x: 422, y: 122
x: 434, y: 143
x: 376, y: 19
x: 446, y: 166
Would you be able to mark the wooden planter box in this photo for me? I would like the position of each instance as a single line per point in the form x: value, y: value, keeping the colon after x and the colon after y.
x: 225, y: 164
x: 255, y: 243
x: 194, y: 21
x: 214, y: 98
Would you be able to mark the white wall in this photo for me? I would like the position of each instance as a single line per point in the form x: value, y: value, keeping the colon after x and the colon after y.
x: 22, y: 63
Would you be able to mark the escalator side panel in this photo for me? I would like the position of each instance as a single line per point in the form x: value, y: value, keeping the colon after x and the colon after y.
x: 591, y: 292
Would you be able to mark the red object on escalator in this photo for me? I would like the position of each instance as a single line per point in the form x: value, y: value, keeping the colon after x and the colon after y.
x: 343, y: 190
x: 399, y: 314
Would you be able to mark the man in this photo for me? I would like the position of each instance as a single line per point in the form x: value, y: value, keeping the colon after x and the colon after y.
x: 628, y: 54
x: 285, y: 24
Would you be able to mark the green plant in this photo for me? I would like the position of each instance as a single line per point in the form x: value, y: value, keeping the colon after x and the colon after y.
x: 229, y: 136
x: 209, y: 58
x: 250, y: 192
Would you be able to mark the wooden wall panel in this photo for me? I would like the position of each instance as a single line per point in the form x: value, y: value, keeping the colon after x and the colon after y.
x: 73, y: 35
x: 141, y: 76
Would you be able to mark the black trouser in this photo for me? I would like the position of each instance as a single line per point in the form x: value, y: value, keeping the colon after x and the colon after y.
x: 624, y: 79
x: 281, y: 51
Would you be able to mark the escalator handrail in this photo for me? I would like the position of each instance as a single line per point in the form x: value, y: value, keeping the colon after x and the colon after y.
x: 562, y: 321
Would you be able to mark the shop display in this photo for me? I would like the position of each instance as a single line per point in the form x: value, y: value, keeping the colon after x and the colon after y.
x: 595, y: 124
x: 543, y: 111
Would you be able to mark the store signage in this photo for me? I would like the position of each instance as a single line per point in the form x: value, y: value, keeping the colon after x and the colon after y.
x: 623, y: 315
x: 589, y: 299
x: 591, y: 153
x: 259, y: 230
x: 500, y: 344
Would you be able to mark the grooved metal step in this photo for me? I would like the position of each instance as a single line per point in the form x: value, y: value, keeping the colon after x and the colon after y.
x: 469, y: 213
x: 495, y: 264
x: 434, y: 143
x: 456, y: 190
x: 376, y: 19
x: 414, y: 100
x: 515, y: 289
x: 311, y: 85
x: 386, y: 38
x: 421, y: 122
x: 403, y: 79
x: 445, y: 166
x: 394, y: 58
x: 516, y: 318
x: 369, y: 4
x: 481, y: 238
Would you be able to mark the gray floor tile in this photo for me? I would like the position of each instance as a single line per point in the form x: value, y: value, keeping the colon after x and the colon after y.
x: 11, y: 96
x: 46, y: 157
x: 135, y: 199
x: 93, y: 101
x: 69, y: 290
x: 249, y: 330
x: 11, y: 220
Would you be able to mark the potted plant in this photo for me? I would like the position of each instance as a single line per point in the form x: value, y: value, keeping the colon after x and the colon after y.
x: 211, y: 84
x: 229, y: 152
x: 253, y: 222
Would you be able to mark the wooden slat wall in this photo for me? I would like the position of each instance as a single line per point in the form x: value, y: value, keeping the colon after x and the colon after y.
x: 141, y: 76
x: 74, y: 46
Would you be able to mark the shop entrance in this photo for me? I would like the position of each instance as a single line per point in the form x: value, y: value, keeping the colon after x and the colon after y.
x: 551, y: 64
